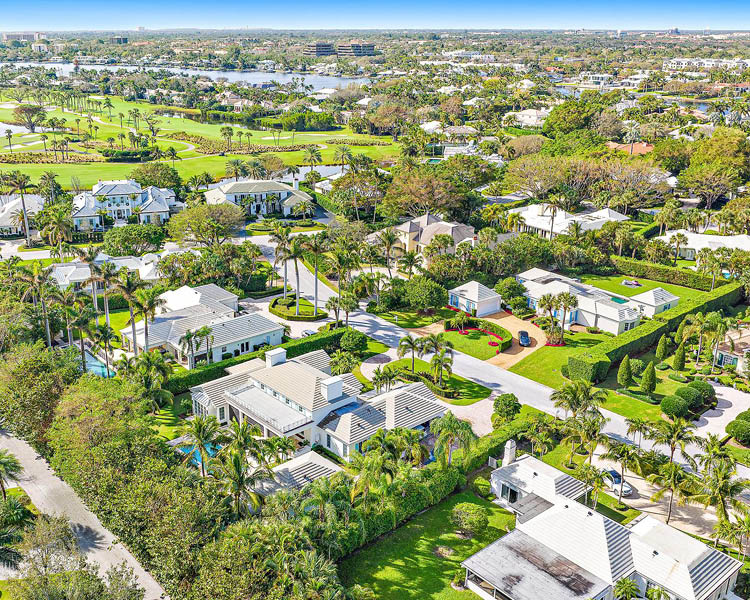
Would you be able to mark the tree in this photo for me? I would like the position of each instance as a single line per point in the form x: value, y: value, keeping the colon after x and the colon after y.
x: 21, y: 183
x: 679, y: 358
x: 424, y: 293
x: 343, y: 362
x: 206, y: 224
x: 200, y: 437
x: 149, y: 301
x: 157, y: 174
x: 353, y: 342
x: 638, y: 426
x: 624, y: 372
x: 721, y: 489
x: 237, y: 479
x: 294, y: 251
x: 673, y: 434
x: 387, y: 239
x: 134, y: 240
x: 671, y: 478
x: 661, y: 348
x: 332, y: 304
x: 441, y: 362
x: 10, y: 469
x: 59, y: 226
x: 626, y: 589
x: 648, y: 379
x: 451, y: 433
x: 710, y: 180
x: 625, y: 455
x: 470, y: 519
x: 409, y: 261
x: 506, y: 407
x: 29, y: 116
x: 127, y: 285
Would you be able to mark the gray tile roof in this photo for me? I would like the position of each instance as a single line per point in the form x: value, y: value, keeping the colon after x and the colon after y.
x: 299, y: 472
x: 473, y: 290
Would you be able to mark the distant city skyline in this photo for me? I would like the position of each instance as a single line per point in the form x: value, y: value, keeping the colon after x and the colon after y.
x: 118, y: 15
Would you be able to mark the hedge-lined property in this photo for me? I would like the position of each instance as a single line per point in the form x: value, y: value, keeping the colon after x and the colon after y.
x: 445, y: 392
x: 665, y: 273
x: 593, y: 364
x: 286, y: 307
x: 492, y: 329
x: 181, y: 382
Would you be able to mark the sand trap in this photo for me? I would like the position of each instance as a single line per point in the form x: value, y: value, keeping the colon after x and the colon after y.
x: 8, y: 105
x: 270, y: 137
x: 98, y: 97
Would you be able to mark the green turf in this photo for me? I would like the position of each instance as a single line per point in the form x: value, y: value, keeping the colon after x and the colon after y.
x: 404, y: 565
x: 412, y: 320
x: 474, y: 343
x: 168, y: 422
x: 373, y: 347
x: 613, y: 283
x: 18, y: 492
x: 469, y: 392
x: 544, y: 364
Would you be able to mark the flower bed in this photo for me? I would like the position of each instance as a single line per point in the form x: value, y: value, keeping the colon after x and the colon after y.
x: 499, y: 335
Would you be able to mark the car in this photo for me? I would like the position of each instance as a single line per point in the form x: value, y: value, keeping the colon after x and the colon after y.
x: 308, y: 333
x: 524, y: 339
x: 612, y: 480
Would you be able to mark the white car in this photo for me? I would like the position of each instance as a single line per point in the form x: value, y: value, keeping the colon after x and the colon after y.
x: 612, y: 480
x: 307, y: 333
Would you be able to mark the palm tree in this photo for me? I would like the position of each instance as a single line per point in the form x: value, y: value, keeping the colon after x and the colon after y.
x: 102, y: 337
x: 451, y: 432
x: 294, y: 251
x: 312, y: 156
x: 59, y: 227
x: 721, y: 489
x: 10, y: 469
x: 626, y: 589
x: 678, y: 240
x: 21, y: 183
x: 578, y: 397
x: 720, y: 329
x: 638, y: 426
x: 200, y: 434
x: 342, y: 155
x: 625, y: 455
x: 387, y: 239
x: 441, y: 362
x: 88, y: 256
x: 409, y: 344
x: 236, y: 168
x: 435, y: 343
x: 409, y: 261
x: 549, y: 303
x: 316, y: 246
x: 187, y: 346
x: 673, y: 434
x: 281, y: 237
x: 700, y: 324
x: 148, y: 303
x: 567, y: 301
x: 238, y: 480
x: 671, y: 478
x: 127, y: 285
x: 107, y: 275
x: 333, y: 305
x: 540, y: 441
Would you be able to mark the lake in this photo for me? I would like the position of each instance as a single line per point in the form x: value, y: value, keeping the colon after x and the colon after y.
x: 318, y: 82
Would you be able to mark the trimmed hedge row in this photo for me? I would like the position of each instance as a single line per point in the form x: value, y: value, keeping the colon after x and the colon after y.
x: 272, y: 291
x: 181, y: 382
x: 593, y: 365
x: 665, y: 273
x: 492, y: 444
x: 326, y: 202
x: 404, y: 373
x: 279, y: 311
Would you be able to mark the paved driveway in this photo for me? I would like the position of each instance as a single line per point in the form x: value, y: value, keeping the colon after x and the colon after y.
x: 516, y: 352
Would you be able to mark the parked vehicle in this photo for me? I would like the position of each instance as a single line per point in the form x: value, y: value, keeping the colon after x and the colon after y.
x: 524, y: 339
x: 612, y: 480
x: 308, y: 333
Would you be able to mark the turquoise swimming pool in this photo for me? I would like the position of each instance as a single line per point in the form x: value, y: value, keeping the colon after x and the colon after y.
x: 618, y: 300
x: 195, y: 456
x: 97, y: 367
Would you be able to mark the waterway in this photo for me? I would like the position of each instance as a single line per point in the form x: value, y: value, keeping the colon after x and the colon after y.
x: 318, y: 82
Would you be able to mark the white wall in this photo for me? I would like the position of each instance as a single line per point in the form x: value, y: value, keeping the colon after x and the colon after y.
x: 273, y: 339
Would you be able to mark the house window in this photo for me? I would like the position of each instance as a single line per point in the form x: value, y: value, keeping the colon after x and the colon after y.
x: 222, y: 414
x: 328, y: 440
x: 223, y: 348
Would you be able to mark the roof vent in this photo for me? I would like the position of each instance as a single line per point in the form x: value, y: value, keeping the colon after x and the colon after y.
x: 655, y: 553
x: 590, y: 514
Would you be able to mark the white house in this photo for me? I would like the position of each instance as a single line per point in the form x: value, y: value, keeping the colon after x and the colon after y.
x: 191, y: 309
x: 258, y: 196
x: 11, y: 211
x: 530, y: 117
x: 300, y: 399
x: 697, y: 241
x: 540, y: 218
x: 561, y: 549
x: 596, y: 308
x: 121, y: 200
x: 474, y: 298
x: 655, y: 301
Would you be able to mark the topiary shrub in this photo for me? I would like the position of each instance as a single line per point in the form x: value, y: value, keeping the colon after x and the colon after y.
x: 743, y: 416
x: 469, y: 518
x: 739, y: 429
x: 354, y: 341
x: 674, y: 406
x: 692, y: 396
x: 706, y: 390
x: 637, y: 366
x: 481, y: 487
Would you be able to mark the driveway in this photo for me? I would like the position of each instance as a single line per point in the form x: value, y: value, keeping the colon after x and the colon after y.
x: 51, y: 495
x: 516, y: 352
x: 296, y: 328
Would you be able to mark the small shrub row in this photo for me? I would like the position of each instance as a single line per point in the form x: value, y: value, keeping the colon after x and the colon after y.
x: 665, y: 273
x: 356, y: 142
x: 425, y: 378
x: 285, y: 308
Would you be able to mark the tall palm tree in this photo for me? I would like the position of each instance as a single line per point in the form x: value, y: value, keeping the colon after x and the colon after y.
x: 567, y: 302
x: 40, y: 288
x: 440, y: 363
x: 281, y: 237
x: 409, y: 261
x: 21, y: 183
x: 148, y: 303
x: 10, y: 469
x: 672, y: 478
x: 549, y: 303
x: 387, y: 240
x: 625, y: 455
x: 435, y: 343
x: 638, y: 426
x: 699, y: 323
x: 578, y: 397
x: 88, y: 256
x: 316, y: 246
x: 200, y: 435
x: 720, y: 328
x: 721, y: 489
x: 674, y: 434
x: 59, y: 227
x: 102, y: 337
x: 127, y: 285
x: 294, y: 251
x: 187, y: 346
x: 450, y: 433
x: 409, y: 344
x: 342, y: 155
x: 238, y: 479
x: 312, y: 156
x: 107, y: 275
x: 67, y: 299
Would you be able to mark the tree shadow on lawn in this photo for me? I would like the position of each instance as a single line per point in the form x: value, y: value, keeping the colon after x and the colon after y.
x: 405, y: 565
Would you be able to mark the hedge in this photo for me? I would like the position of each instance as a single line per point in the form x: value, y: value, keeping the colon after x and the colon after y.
x: 181, y: 382
x: 649, y: 231
x: 743, y: 416
x: 665, y: 273
x: 481, y: 324
x: 404, y: 373
x: 674, y: 406
x: 740, y: 431
x: 593, y: 364
x: 706, y: 389
x: 492, y: 444
x: 326, y: 202
x: 272, y: 291
x: 279, y: 310
x: 692, y: 396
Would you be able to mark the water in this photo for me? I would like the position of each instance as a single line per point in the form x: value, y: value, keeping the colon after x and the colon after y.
x: 195, y: 456
x: 318, y: 82
x: 97, y: 367
x: 619, y: 300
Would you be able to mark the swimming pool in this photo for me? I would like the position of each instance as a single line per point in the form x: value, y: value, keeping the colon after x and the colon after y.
x: 97, y: 367
x: 195, y: 456
x: 619, y: 300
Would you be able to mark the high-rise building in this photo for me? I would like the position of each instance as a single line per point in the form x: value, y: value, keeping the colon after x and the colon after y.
x: 356, y: 48
x: 23, y: 37
x: 118, y: 40
x: 319, y: 49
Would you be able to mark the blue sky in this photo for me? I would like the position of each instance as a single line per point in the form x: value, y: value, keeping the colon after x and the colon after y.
x: 370, y: 14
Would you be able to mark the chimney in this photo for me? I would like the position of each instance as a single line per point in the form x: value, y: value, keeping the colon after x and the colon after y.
x: 295, y: 182
x: 509, y: 456
x: 332, y: 388
x: 275, y: 357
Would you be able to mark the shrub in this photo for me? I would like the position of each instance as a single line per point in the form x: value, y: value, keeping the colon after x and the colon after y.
x: 674, y: 406
x: 285, y: 308
x: 481, y: 487
x: 637, y: 366
x: 353, y: 341
x: 565, y: 372
x: 469, y: 518
x: 706, y: 389
x: 661, y: 348
x: 506, y: 406
x: 679, y: 357
x: 744, y: 416
x: 423, y: 293
x: 662, y: 366
x: 648, y: 381
x: 624, y: 373
x: 667, y: 274
x: 692, y: 396
x: 678, y: 377
x: 706, y: 370
x: 739, y: 429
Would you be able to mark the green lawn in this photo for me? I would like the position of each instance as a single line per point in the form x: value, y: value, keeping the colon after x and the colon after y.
x: 613, y: 283
x: 305, y: 309
x: 469, y: 392
x: 18, y: 492
x: 544, y: 364
x: 474, y: 343
x: 373, y: 347
x: 413, y: 320
x: 4, y: 593
x: 168, y: 420
x: 405, y: 564
x: 316, y: 227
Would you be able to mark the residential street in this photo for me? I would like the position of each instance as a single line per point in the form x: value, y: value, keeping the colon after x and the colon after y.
x: 53, y: 496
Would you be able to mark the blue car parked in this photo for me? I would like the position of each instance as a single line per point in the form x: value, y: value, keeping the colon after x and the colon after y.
x: 523, y: 338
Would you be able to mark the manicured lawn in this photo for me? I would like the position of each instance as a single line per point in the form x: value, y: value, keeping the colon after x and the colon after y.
x: 406, y: 565
x: 316, y: 227
x: 168, y: 422
x: 741, y: 455
x: 413, y: 320
x: 18, y: 492
x: 305, y: 308
x: 474, y: 343
x: 373, y: 347
x: 4, y: 593
x: 613, y: 283
x: 469, y: 392
x: 544, y: 364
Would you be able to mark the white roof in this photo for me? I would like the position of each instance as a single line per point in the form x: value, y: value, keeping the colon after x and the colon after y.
x: 475, y: 291
x: 655, y: 297
x: 298, y: 472
x: 698, y: 241
x: 539, y: 216
x: 533, y: 476
x: 209, y: 295
x: 432, y: 127
x: 10, y: 204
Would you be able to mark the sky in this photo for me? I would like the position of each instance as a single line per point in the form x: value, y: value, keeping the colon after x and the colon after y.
x: 54, y: 15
